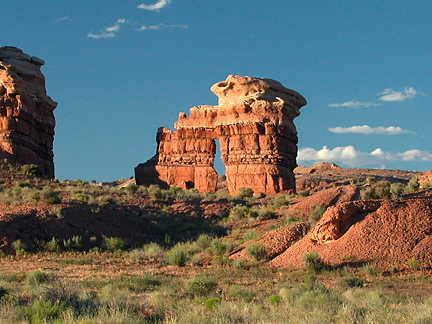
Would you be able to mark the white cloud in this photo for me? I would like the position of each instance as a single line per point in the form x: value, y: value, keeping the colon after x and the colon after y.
x: 354, y: 104
x: 391, y: 95
x: 161, y: 26
x: 365, y: 129
x: 415, y: 155
x: 155, y: 7
x: 101, y: 35
x: 349, y: 156
x: 65, y: 18
x: 109, y: 32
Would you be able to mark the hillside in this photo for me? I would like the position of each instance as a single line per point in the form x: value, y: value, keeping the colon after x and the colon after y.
x: 387, y: 231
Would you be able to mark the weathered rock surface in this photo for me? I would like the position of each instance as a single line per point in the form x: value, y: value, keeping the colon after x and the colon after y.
x: 26, y: 112
x: 254, y: 125
x: 384, y: 232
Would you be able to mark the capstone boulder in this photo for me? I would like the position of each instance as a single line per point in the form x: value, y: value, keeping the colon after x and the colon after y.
x: 253, y: 123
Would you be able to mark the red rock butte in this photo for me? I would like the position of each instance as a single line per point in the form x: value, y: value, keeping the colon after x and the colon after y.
x: 258, y: 140
x: 26, y: 112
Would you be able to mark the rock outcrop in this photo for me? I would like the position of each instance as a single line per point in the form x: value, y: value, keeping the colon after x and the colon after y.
x: 254, y: 125
x: 383, y: 232
x: 26, y: 112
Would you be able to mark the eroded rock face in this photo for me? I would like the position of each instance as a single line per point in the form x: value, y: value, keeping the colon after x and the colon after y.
x: 26, y: 112
x: 254, y: 125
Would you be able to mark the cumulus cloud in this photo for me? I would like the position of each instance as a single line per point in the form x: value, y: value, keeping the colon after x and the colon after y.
x: 354, y: 104
x: 365, y: 129
x: 161, y: 26
x: 349, y: 156
x: 391, y: 95
x: 155, y: 7
x: 109, y: 32
x: 415, y: 155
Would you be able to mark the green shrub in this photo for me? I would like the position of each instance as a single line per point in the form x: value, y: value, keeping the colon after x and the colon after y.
x: 56, y: 211
x: 202, y: 285
x: 73, y: 244
x: 378, y: 190
x: 312, y: 261
x: 52, y: 246
x: 147, y: 252
x: 245, y: 192
x: 414, y: 264
x: 36, y: 277
x: 81, y: 197
x: 155, y: 192
x: 221, y: 260
x: 32, y: 170
x: 175, y: 191
x: 203, y: 241
x: 316, y: 214
x: 351, y: 282
x: 264, y: 213
x: 212, y: 303
x: 44, y: 311
x: 19, y: 247
x: 239, y: 263
x: 257, y: 251
x: 426, y: 185
x: 220, y: 247
x: 20, y: 184
x: 412, y: 186
x: 49, y: 195
x: 136, y: 283
x: 396, y: 191
x: 370, y: 269
x: 240, y: 292
x: 274, y: 300
x: 240, y: 212
x: 178, y: 255
x: 250, y: 235
x: 113, y: 243
x: 132, y: 190
x: 304, y: 193
x: 281, y: 200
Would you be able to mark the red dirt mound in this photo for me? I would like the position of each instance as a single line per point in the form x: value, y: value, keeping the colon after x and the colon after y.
x: 384, y: 232
x: 326, y: 198
x: 275, y: 241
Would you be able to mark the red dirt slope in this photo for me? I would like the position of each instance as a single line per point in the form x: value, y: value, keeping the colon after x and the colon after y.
x: 385, y: 232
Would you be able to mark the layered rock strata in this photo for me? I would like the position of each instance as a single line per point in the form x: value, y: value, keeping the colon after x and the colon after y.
x: 26, y: 112
x: 258, y: 140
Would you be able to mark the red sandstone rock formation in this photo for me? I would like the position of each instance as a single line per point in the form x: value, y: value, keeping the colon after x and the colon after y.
x: 254, y: 125
x: 26, y: 112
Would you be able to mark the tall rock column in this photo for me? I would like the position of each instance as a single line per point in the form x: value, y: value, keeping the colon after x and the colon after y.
x: 26, y: 112
x: 257, y: 135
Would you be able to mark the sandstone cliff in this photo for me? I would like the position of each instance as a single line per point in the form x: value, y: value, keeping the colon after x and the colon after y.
x: 26, y: 112
x: 254, y: 125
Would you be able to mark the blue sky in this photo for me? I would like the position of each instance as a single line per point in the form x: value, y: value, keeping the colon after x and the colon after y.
x: 121, y: 69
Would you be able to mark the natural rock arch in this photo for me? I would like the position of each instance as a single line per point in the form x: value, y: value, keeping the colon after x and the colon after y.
x: 258, y: 140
